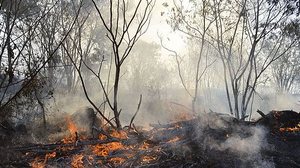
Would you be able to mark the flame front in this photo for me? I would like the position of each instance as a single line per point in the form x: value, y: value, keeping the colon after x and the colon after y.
x: 104, y: 150
x: 115, y: 149
x: 290, y: 129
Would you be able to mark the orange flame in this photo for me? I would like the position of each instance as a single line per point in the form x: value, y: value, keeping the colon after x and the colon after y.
x: 175, y: 139
x: 71, y: 126
x: 105, y: 149
x: 290, y: 129
x: 145, y: 146
x: 77, y: 161
x: 102, y: 137
x: 148, y: 158
x: 37, y: 163
x: 117, y: 160
x: 41, y: 163
x: 109, y: 151
x: 119, y: 134
x: 73, y: 130
x: 49, y: 156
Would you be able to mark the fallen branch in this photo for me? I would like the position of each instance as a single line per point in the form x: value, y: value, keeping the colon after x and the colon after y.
x: 137, y: 110
x: 261, y: 113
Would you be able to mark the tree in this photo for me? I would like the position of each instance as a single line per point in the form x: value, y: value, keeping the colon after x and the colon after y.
x: 145, y: 75
x: 14, y: 16
x: 183, y: 18
x: 286, y: 69
x: 241, y: 43
x: 21, y: 42
x: 239, y: 31
x: 123, y: 30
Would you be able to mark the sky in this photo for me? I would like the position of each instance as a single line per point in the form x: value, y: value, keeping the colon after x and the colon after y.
x: 158, y: 26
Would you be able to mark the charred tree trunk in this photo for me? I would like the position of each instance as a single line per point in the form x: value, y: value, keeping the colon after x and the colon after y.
x: 42, y: 108
x: 10, y: 53
x: 116, y: 88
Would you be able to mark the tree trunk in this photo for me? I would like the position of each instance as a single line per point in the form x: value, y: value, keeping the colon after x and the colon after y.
x: 10, y: 53
x: 116, y: 88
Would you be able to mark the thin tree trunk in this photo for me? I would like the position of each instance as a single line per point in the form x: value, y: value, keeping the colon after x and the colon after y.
x: 10, y: 53
x: 116, y: 88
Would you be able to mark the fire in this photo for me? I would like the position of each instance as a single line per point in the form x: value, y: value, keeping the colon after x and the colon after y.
x: 102, y: 137
x: 175, y: 139
x: 41, y: 163
x: 77, y: 161
x: 119, y: 134
x: 145, y: 146
x: 117, y: 160
x: 113, y: 153
x: 49, y: 156
x: 73, y: 130
x: 105, y: 149
x: 290, y: 129
x: 37, y: 163
x: 148, y: 158
x: 71, y: 126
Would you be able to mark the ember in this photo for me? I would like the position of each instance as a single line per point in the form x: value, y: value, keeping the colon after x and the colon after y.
x: 77, y: 161
x: 37, y: 163
x: 149, y: 159
x: 174, y: 140
x: 291, y: 129
x: 49, y: 156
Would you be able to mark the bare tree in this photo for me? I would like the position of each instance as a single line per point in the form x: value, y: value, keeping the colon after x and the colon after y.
x: 286, y: 72
x: 183, y: 20
x: 241, y: 45
x: 286, y: 69
x: 124, y: 27
x: 238, y: 31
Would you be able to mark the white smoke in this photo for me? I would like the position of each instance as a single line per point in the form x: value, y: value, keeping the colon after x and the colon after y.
x: 250, y: 145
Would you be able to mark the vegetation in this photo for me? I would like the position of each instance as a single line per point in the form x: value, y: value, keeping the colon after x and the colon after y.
x: 95, y: 49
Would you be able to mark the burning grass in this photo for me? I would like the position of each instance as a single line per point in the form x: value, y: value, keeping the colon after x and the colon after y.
x: 112, y: 147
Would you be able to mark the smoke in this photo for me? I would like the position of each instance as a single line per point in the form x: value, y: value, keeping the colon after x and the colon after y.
x: 69, y: 103
x: 243, y: 143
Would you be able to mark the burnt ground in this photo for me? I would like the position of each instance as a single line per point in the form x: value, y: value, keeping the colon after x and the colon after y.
x: 223, y: 145
x: 210, y: 140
